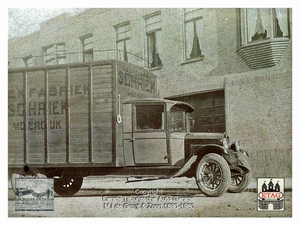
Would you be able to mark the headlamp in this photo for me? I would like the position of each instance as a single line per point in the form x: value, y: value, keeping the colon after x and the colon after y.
x: 225, y: 142
x: 237, y: 146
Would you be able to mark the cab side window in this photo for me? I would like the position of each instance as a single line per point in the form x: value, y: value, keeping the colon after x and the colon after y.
x: 149, y: 117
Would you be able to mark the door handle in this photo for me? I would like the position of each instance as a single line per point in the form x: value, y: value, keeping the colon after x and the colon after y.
x: 131, y: 140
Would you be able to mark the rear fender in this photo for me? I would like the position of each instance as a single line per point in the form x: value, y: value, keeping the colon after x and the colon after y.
x: 190, y: 165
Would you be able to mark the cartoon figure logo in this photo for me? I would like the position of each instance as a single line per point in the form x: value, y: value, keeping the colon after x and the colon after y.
x: 270, y: 196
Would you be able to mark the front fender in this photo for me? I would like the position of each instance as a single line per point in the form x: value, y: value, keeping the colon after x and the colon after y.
x: 233, y: 157
x: 244, y: 153
x: 239, y: 161
x: 211, y: 148
x: 198, y: 154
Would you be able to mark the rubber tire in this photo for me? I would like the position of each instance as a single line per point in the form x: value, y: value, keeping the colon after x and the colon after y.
x: 67, y: 186
x: 224, y: 179
x: 246, y: 178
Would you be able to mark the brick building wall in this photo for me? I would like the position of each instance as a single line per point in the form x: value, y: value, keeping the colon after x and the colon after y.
x: 259, y: 114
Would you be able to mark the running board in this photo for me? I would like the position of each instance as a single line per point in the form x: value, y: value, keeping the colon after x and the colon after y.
x: 138, y: 179
x: 180, y: 172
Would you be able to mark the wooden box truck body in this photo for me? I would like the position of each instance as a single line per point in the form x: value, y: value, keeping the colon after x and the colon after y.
x: 74, y: 120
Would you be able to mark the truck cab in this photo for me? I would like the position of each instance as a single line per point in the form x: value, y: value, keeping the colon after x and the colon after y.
x: 154, y: 132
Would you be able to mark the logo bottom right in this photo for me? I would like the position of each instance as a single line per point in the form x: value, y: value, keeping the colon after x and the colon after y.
x: 270, y: 194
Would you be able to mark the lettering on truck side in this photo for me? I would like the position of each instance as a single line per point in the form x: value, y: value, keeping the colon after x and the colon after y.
x: 37, y: 108
x: 53, y: 91
x: 137, y: 80
x: 37, y: 125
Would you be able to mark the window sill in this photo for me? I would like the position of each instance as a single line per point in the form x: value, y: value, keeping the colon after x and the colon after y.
x: 193, y: 60
x: 264, y: 53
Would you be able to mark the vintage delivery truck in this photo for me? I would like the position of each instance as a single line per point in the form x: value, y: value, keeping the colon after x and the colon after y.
x: 71, y: 121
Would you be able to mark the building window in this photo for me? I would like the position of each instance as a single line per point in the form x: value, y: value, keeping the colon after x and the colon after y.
x: 87, y: 48
x: 55, y: 54
x: 264, y: 36
x: 261, y: 24
x: 28, y: 61
x: 123, y: 40
x: 154, y: 39
x: 193, y: 30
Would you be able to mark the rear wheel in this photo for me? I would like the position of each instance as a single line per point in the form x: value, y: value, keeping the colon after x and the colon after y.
x: 213, y: 175
x: 67, y: 186
x: 240, y: 182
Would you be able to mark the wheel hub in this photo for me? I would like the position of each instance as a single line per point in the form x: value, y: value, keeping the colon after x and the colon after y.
x: 68, y: 183
x: 211, y: 175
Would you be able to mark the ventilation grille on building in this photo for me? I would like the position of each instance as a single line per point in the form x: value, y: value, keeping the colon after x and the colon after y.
x: 263, y: 54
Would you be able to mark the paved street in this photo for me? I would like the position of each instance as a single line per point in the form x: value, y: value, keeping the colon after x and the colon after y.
x: 169, y: 198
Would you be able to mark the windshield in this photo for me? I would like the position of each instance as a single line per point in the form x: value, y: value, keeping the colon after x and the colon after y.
x: 177, y: 120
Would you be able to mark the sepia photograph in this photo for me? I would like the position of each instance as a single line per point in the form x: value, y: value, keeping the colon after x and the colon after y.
x: 142, y: 112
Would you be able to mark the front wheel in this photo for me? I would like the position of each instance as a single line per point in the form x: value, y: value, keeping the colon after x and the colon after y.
x: 67, y: 186
x: 213, y: 175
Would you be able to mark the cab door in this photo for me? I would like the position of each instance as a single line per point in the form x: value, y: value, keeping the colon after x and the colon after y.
x: 149, y: 136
